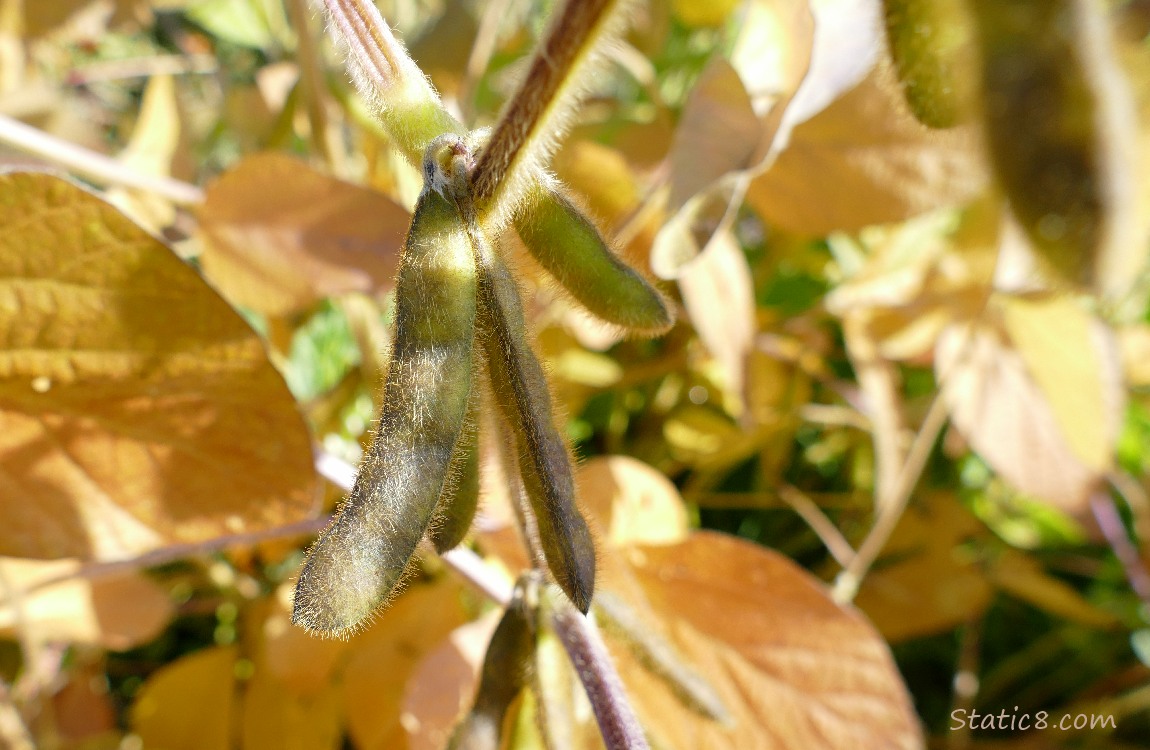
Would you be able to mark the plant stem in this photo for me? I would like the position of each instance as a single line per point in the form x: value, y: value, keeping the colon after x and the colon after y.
x: 613, y: 712
x: 826, y: 531
x: 1115, y: 532
x: 535, y: 114
x: 890, y: 509
x: 96, y: 167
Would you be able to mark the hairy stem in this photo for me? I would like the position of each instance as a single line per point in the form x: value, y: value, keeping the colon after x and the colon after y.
x: 617, y: 722
x: 536, y: 113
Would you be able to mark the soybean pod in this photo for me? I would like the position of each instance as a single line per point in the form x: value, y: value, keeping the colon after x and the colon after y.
x: 521, y: 390
x: 355, y: 565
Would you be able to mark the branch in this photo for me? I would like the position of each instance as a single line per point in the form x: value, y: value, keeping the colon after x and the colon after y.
x: 891, y: 510
x: 99, y: 168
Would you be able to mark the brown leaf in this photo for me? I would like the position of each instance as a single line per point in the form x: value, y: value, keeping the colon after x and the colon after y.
x: 188, y: 704
x: 794, y: 669
x: 278, y: 236
x: 136, y: 407
x: 1022, y: 423
x: 865, y: 160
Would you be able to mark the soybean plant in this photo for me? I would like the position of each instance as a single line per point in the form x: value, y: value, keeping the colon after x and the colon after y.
x: 460, y: 321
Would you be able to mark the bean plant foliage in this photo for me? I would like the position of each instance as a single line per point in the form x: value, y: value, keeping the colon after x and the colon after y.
x: 579, y: 374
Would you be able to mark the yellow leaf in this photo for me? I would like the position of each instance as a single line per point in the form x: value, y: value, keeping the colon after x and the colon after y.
x: 1073, y: 358
x: 188, y: 704
x: 632, y: 502
x: 278, y: 236
x: 275, y: 718
x: 136, y: 407
x: 719, y: 295
x: 930, y: 586
x: 998, y: 407
x: 154, y: 141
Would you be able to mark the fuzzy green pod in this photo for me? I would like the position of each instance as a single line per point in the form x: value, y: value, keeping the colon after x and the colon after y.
x: 929, y: 42
x: 1054, y: 144
x: 571, y: 249
x: 521, y: 390
x: 460, y: 498
x: 354, y: 566
x: 506, y: 671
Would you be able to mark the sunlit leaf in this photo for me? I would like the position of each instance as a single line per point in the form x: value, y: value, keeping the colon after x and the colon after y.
x: 137, y: 407
x: 634, y: 503
x: 794, y: 669
x: 719, y: 296
x: 384, y: 657
x: 1000, y: 404
x: 930, y: 585
x: 717, y: 134
x: 189, y: 704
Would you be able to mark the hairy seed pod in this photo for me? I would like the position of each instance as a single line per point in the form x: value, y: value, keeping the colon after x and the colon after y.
x: 521, y: 390
x: 354, y: 566
x: 929, y: 42
x: 1055, y: 125
x: 572, y: 250
x: 506, y: 670
x: 460, y: 498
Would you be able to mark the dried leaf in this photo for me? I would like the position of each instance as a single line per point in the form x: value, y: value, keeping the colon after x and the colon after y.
x: 930, y: 586
x: 383, y: 658
x: 117, y: 611
x: 276, y: 718
x: 279, y: 236
x: 719, y: 296
x: 137, y: 408
x: 794, y: 669
x: 444, y: 682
